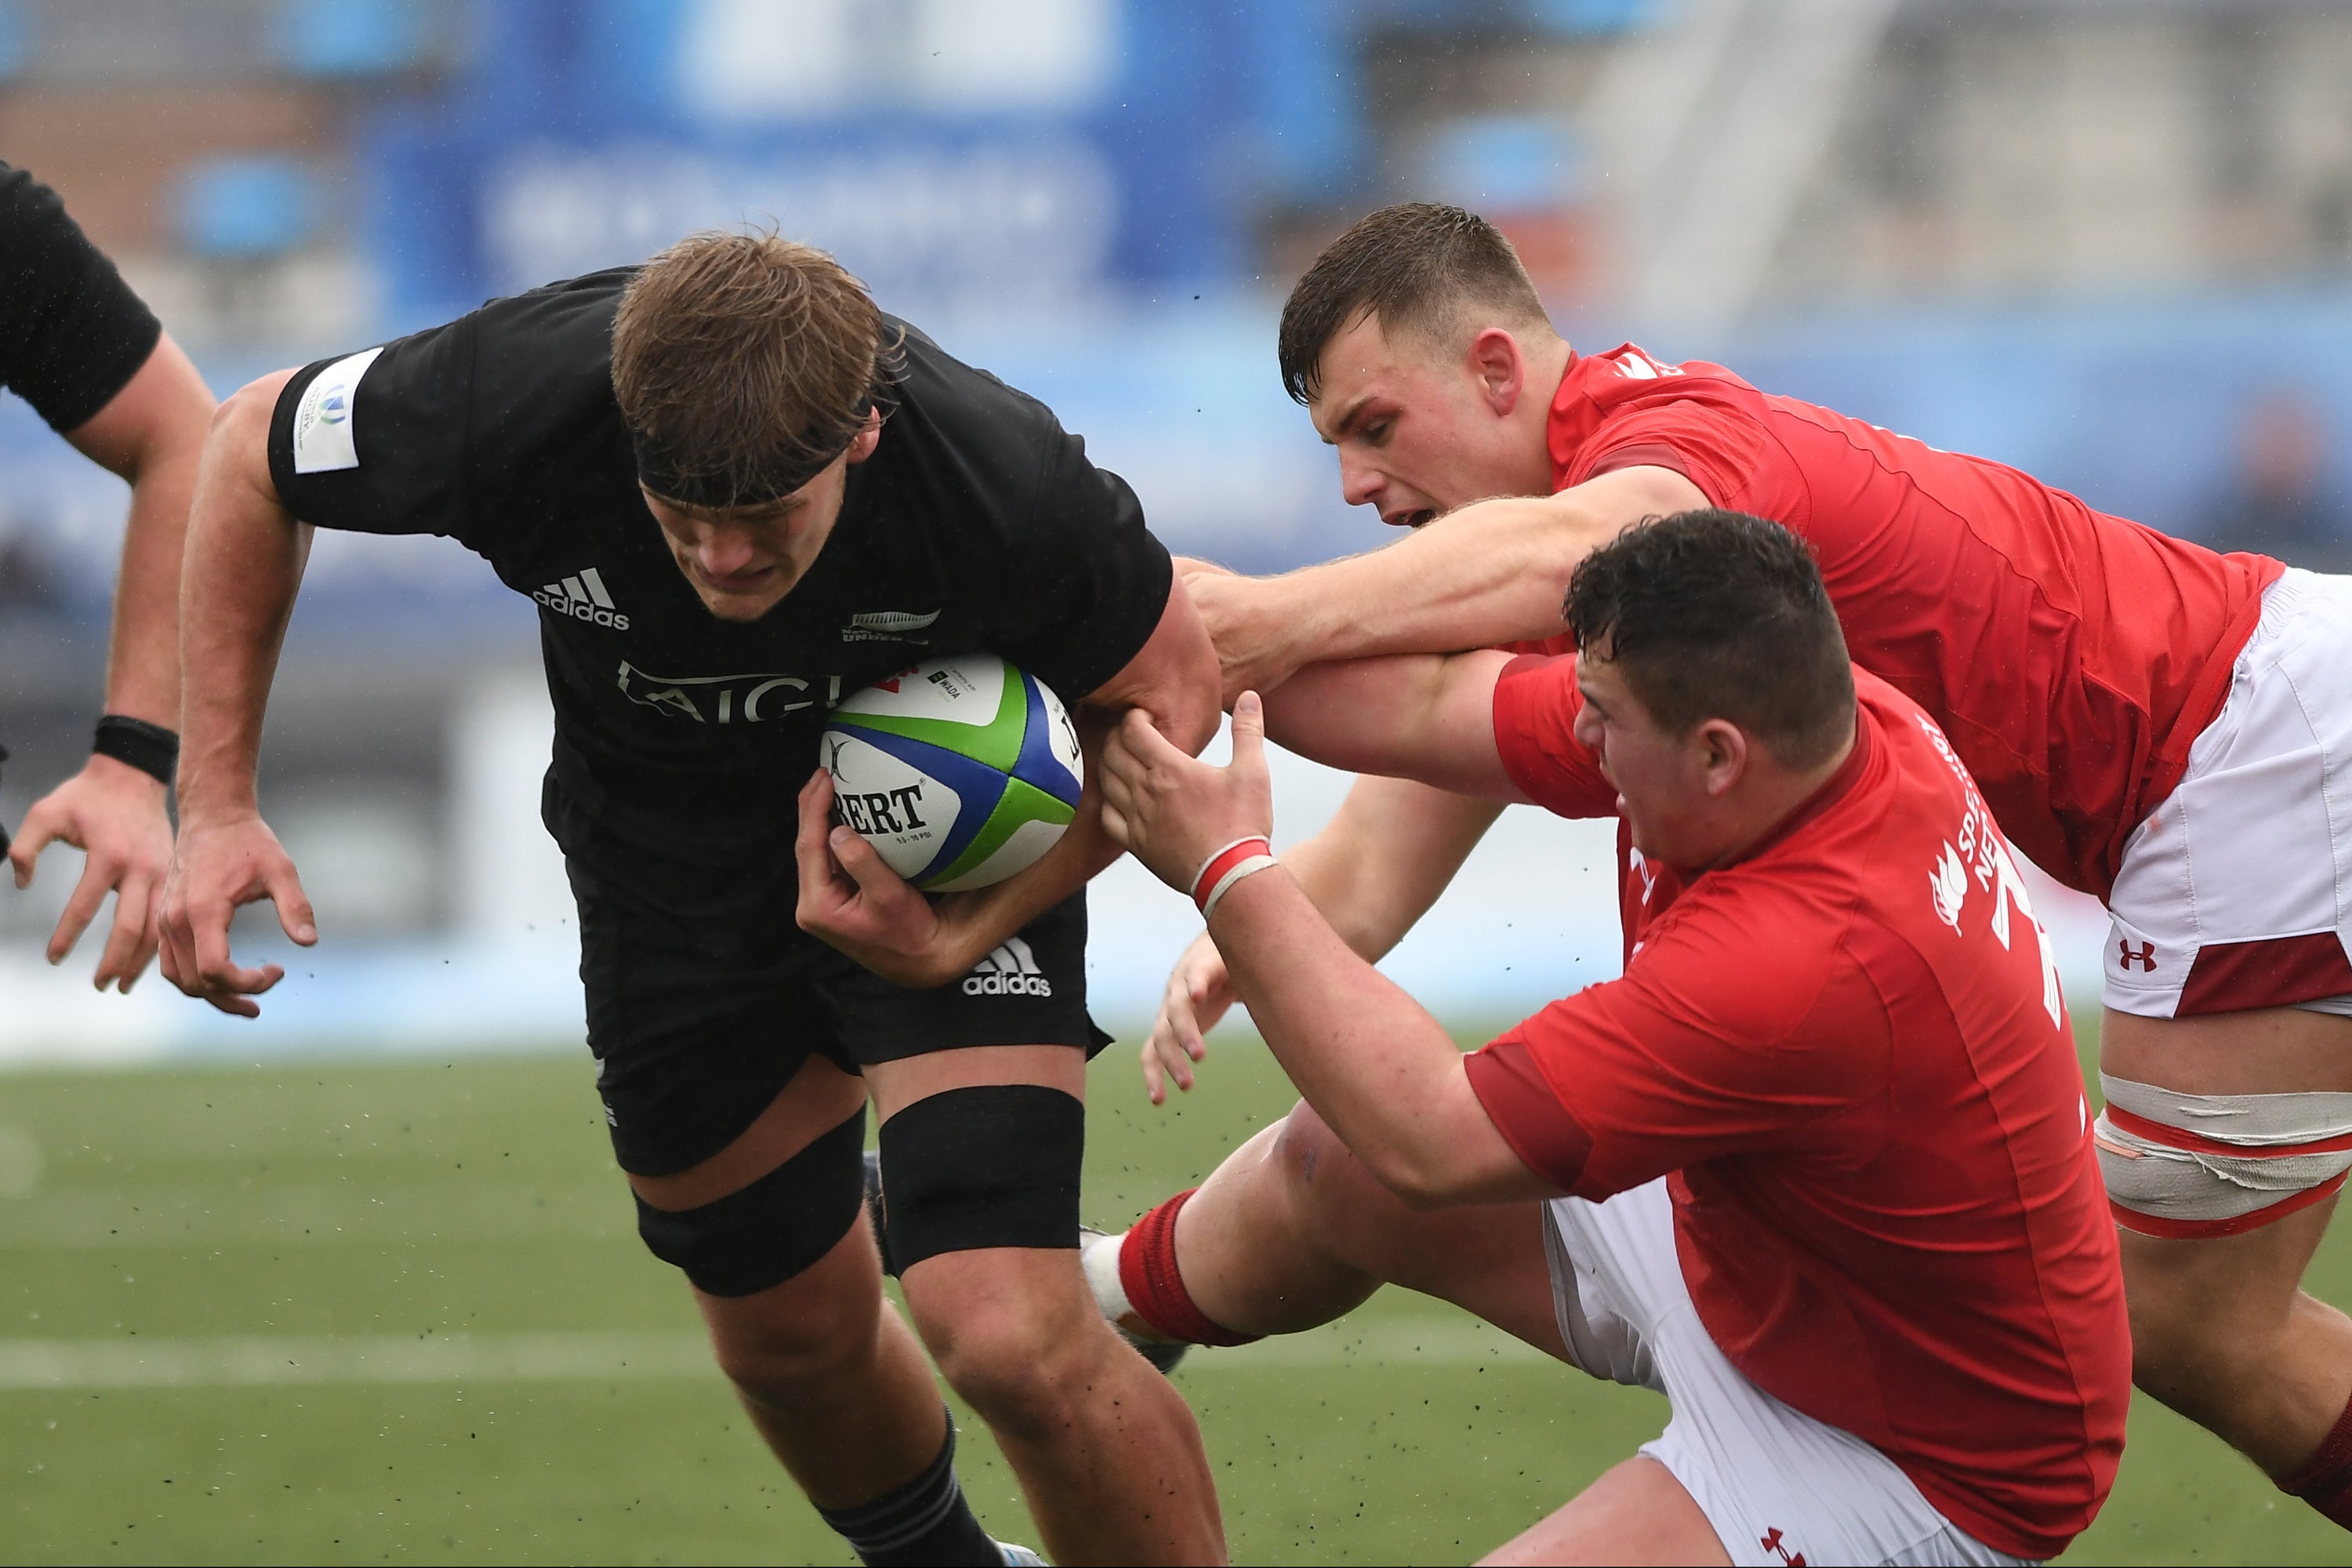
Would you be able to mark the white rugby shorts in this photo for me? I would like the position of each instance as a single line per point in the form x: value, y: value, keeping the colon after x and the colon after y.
x: 2236, y: 891
x: 1776, y: 1485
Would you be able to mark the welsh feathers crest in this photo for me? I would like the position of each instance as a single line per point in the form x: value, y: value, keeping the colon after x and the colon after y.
x: 1947, y: 884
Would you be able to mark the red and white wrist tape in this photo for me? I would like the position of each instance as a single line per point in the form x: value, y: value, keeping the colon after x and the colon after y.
x: 1228, y: 866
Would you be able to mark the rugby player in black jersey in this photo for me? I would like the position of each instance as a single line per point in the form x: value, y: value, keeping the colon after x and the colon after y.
x: 93, y: 360
x: 737, y: 492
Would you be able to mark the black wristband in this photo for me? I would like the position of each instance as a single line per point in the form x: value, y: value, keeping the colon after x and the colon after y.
x: 151, y: 748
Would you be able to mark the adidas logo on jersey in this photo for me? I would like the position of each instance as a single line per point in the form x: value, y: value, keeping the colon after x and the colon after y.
x: 887, y: 626
x: 583, y: 597
x: 1010, y: 971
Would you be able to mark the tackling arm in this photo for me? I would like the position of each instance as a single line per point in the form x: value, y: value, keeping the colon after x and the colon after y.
x: 243, y: 564
x: 1423, y: 717
x: 1371, y: 1061
x: 1384, y: 857
x: 1492, y: 572
x: 1427, y: 720
x: 1371, y: 872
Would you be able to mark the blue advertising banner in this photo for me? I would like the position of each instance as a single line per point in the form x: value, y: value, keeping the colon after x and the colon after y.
x: 968, y: 154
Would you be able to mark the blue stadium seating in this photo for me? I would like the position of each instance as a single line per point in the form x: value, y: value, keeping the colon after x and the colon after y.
x: 351, y: 39
x: 15, y: 39
x: 246, y: 209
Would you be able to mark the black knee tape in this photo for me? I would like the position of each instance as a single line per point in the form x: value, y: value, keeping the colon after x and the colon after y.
x: 773, y: 1229
x: 992, y: 1167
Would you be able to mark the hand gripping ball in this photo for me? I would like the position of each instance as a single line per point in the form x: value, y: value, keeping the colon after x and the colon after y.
x: 959, y: 772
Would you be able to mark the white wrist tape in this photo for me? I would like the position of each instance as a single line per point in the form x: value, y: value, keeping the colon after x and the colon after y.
x: 1225, y: 867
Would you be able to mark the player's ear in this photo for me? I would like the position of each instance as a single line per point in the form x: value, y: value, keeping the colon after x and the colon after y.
x: 1500, y: 369
x: 862, y: 445
x: 1723, y: 754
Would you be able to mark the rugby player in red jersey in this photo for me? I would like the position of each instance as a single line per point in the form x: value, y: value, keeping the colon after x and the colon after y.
x: 1832, y: 1186
x: 2166, y: 728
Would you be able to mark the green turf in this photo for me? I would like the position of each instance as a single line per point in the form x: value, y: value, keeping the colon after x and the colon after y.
x: 373, y: 1204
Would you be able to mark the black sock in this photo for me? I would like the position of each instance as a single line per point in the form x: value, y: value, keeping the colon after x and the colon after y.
x: 925, y: 1523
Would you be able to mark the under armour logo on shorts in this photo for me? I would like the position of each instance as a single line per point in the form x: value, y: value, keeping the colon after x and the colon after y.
x: 2144, y: 957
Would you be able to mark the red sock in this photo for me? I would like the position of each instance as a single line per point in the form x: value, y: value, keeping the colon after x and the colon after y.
x: 1147, y: 1272
x: 2325, y: 1479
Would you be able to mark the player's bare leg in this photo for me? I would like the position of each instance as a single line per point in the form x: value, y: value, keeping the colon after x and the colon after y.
x: 1291, y: 1231
x: 1108, y: 1454
x: 2221, y: 1334
x: 830, y: 1376
x: 2221, y: 1330
x: 1636, y: 1512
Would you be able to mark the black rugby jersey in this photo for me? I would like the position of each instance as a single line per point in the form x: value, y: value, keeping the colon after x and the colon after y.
x: 72, y: 334
x: 977, y: 523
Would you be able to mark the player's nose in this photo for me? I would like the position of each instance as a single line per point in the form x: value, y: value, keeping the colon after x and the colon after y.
x: 725, y: 552
x: 1359, y: 482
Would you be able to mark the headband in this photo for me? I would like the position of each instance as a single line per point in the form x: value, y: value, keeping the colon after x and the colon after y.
x: 779, y: 477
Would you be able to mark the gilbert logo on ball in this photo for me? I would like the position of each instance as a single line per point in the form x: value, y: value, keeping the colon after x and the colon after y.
x: 959, y: 772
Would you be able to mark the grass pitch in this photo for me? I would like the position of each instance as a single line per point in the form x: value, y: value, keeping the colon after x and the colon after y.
x: 361, y: 1313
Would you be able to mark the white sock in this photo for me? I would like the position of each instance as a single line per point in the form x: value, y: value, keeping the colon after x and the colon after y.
x: 1099, y: 1256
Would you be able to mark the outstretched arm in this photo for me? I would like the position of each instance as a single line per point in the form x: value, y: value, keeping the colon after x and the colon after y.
x: 1373, y: 871
x: 245, y: 559
x: 1423, y: 717
x: 1492, y: 572
x: 151, y: 433
x: 1426, y: 721
x: 1371, y: 1061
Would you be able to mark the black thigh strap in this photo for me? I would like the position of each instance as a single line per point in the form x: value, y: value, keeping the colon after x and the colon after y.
x: 773, y: 1229
x: 995, y: 1165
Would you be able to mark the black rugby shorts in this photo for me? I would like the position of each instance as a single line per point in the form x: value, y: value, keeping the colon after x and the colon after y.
x: 704, y: 997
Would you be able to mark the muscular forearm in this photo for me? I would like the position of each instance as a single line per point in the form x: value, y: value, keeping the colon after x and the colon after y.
x: 151, y: 433
x: 1412, y: 716
x: 1371, y: 1061
x: 1359, y: 715
x: 1384, y: 857
x: 1376, y: 1066
x: 243, y: 564
x: 1330, y: 869
x: 1489, y: 573
x: 1493, y: 573
x: 142, y: 661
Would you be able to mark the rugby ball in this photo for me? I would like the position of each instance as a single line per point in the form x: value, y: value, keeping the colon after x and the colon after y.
x: 960, y: 771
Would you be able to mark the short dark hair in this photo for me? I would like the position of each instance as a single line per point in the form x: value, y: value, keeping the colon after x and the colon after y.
x: 1719, y: 615
x: 745, y: 364
x: 1416, y: 266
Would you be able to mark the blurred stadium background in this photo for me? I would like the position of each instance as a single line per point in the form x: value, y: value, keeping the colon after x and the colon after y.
x: 2110, y: 242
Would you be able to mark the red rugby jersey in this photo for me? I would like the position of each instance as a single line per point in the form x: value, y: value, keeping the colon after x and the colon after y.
x: 1849, y: 1050
x: 2071, y: 656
